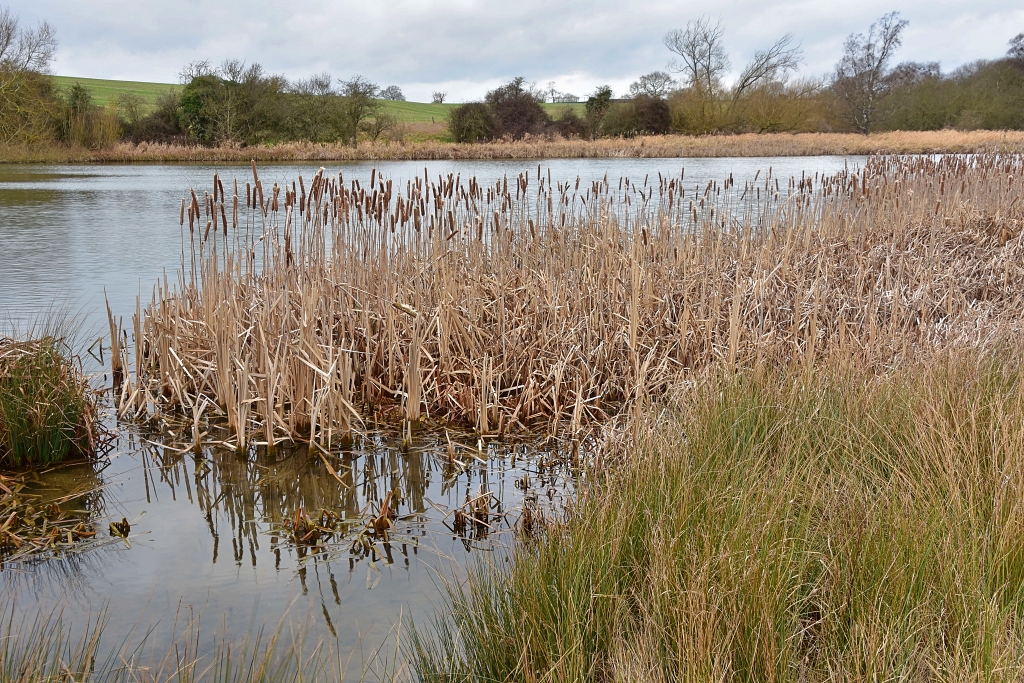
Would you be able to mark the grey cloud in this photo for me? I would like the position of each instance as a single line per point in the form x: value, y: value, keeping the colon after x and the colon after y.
x: 467, y: 44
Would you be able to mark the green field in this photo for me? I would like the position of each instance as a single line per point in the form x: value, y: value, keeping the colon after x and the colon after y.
x: 105, y: 92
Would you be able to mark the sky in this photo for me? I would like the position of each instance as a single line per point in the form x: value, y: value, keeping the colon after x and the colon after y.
x: 467, y: 47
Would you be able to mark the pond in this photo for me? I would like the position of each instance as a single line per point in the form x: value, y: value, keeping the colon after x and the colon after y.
x: 208, y: 530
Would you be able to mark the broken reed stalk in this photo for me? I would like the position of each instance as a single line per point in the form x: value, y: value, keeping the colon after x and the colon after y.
x: 529, y: 305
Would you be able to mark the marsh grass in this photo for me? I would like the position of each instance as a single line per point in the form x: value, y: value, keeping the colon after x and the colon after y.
x: 47, y: 407
x: 775, y: 526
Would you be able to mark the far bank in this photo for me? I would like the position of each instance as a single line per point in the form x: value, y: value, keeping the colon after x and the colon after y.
x: 746, y: 145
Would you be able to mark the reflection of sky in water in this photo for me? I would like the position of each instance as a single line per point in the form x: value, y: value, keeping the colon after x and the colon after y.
x: 204, y: 530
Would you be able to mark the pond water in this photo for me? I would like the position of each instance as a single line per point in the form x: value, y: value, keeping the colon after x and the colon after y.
x: 207, y: 529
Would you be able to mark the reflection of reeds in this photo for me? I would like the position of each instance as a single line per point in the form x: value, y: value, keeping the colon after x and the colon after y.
x: 34, y: 525
x: 534, y: 305
x: 42, y: 647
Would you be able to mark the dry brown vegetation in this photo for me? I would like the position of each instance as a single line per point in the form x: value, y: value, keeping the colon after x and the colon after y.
x: 527, y: 305
x: 747, y: 145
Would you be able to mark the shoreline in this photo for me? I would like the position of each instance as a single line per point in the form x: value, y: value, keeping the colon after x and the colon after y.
x: 668, y: 146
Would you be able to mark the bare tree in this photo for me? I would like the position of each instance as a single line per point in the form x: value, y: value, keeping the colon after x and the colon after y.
x: 1016, y: 50
x: 25, y: 49
x: 702, y: 59
x: 360, y: 104
x: 194, y: 70
x: 655, y: 84
x: 439, y: 97
x: 317, y: 108
x: 773, y: 64
x: 392, y: 92
x: 131, y: 107
x: 860, y: 79
x: 381, y: 123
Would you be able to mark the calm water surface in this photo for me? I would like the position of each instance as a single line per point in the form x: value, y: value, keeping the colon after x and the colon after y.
x: 206, y: 530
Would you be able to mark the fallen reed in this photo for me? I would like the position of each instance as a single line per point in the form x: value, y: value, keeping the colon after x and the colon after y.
x: 47, y: 406
x: 788, y: 525
x: 34, y: 525
x: 746, y: 145
x: 302, y: 311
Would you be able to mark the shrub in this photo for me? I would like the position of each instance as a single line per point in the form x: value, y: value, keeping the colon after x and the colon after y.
x: 31, y: 108
x: 642, y: 115
x: 517, y: 110
x: 472, y: 122
x: 653, y: 116
x: 619, y: 120
x: 570, y: 125
x: 160, y: 125
x: 597, y: 105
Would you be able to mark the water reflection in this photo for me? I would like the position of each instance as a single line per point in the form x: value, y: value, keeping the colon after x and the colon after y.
x: 217, y: 530
x: 246, y: 499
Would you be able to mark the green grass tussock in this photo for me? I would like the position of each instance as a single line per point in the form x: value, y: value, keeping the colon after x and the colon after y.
x: 775, y: 526
x: 47, y: 409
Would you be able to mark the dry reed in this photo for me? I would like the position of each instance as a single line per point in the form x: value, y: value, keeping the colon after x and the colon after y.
x: 530, y: 305
x: 747, y: 145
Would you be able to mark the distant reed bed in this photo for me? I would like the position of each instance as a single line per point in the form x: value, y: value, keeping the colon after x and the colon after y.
x: 747, y: 145
x: 302, y: 311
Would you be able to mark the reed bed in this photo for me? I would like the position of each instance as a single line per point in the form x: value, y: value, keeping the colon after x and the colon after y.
x: 539, y: 306
x: 48, y: 409
x: 746, y: 145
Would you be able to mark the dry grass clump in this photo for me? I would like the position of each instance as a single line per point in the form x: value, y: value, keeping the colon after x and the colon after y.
x: 746, y: 145
x: 538, y: 306
x: 47, y: 407
x: 798, y: 525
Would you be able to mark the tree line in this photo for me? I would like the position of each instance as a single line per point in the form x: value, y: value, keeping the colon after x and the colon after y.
x: 243, y: 104
x: 236, y: 103
x: 865, y: 93
x: 232, y: 103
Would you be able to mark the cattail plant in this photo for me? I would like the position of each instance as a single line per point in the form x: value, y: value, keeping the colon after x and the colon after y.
x: 536, y: 304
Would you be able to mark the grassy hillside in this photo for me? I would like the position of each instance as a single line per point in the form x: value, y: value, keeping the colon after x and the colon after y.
x: 105, y: 92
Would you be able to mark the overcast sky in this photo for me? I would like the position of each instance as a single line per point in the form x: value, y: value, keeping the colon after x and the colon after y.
x: 466, y: 47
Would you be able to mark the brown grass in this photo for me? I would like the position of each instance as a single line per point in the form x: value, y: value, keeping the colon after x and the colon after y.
x: 526, y: 306
x: 749, y: 145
